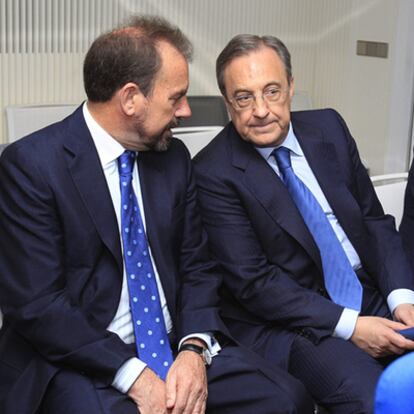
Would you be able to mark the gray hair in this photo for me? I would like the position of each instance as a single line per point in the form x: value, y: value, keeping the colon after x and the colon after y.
x: 244, y: 44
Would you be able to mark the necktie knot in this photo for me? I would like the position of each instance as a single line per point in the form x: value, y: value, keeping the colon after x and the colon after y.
x: 126, y: 162
x: 282, y: 156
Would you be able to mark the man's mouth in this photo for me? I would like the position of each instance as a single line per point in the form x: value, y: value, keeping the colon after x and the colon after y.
x: 265, y: 126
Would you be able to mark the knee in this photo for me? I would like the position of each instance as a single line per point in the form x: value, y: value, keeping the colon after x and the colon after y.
x: 66, y: 391
x: 293, y: 399
x: 353, y: 397
x: 300, y: 399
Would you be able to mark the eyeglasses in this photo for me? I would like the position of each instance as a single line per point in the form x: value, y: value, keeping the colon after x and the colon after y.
x: 271, y: 96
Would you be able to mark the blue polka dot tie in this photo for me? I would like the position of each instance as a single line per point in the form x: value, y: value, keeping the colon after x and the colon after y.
x: 341, y: 281
x: 151, y: 337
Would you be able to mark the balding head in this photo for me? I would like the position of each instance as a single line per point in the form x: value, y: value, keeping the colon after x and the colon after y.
x: 129, y: 54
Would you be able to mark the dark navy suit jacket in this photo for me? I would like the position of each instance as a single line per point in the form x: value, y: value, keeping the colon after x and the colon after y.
x: 273, y: 274
x: 61, y: 263
x: 407, y: 222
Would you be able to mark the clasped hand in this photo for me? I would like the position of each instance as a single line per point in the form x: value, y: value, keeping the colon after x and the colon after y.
x: 183, y: 392
x: 379, y: 337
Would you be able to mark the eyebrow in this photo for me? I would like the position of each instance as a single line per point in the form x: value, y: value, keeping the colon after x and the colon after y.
x: 269, y: 84
x: 179, y: 94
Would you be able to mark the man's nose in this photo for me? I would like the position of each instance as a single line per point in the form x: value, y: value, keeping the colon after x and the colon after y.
x: 183, y: 110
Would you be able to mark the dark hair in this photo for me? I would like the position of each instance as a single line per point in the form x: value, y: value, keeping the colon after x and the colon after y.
x: 129, y: 54
x: 244, y: 44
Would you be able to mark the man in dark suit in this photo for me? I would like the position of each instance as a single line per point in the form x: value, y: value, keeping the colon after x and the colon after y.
x: 407, y: 222
x: 104, y: 267
x: 313, y: 270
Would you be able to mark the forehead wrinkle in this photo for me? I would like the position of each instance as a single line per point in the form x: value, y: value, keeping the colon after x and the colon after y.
x: 268, y: 85
x: 254, y: 71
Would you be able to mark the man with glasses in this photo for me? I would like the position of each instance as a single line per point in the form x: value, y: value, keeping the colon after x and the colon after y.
x: 314, y: 272
x: 109, y: 296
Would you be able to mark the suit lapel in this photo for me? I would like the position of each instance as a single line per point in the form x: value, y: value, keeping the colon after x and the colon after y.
x: 323, y: 160
x: 87, y: 174
x: 271, y: 193
x: 157, y: 217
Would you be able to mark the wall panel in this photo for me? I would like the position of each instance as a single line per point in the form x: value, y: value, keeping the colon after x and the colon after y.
x: 43, y: 42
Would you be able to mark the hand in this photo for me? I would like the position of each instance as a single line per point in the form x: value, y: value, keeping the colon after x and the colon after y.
x: 404, y: 313
x: 378, y: 336
x: 187, y: 383
x: 148, y: 393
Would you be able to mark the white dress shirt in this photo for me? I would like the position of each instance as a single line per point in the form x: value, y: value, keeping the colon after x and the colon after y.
x: 108, y: 151
x: 346, y: 324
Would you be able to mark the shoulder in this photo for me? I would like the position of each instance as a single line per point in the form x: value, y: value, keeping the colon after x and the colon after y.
x: 317, y: 117
x: 326, y: 123
x: 39, y: 147
x: 217, y: 155
x: 44, y: 142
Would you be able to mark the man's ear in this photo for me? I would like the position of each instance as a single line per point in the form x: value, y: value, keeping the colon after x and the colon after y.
x: 229, y: 106
x: 131, y: 99
x: 292, y: 88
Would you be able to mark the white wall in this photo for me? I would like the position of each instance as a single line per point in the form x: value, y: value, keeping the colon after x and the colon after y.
x: 321, y: 35
x: 399, y: 151
x: 358, y: 86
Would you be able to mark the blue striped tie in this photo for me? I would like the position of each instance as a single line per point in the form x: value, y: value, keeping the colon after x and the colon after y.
x: 151, y: 337
x: 341, y: 281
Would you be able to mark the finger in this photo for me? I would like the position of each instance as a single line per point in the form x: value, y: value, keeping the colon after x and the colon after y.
x: 401, y: 314
x: 394, y: 325
x: 407, y: 318
x: 194, y: 398
x: 171, y: 390
x: 409, y: 344
x: 200, y: 406
x: 181, y: 398
x: 393, y: 350
x: 397, y: 340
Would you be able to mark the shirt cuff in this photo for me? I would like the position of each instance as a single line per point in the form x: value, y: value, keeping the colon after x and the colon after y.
x: 209, y: 339
x: 346, y: 324
x: 127, y: 374
x: 398, y: 297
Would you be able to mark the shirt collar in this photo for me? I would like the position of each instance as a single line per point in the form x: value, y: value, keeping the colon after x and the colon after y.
x: 108, y: 148
x: 290, y: 142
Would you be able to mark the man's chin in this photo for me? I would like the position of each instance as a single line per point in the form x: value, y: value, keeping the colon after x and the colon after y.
x: 163, y: 142
x: 271, y: 138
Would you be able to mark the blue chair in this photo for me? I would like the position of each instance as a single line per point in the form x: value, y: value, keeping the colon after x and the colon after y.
x: 395, y: 389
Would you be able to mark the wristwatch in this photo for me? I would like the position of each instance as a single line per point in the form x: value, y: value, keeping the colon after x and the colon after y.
x: 203, y: 352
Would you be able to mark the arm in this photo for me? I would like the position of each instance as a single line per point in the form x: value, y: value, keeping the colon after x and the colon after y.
x: 407, y: 223
x: 34, y: 281
x: 387, y: 264
x: 264, y: 289
x: 383, y: 256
